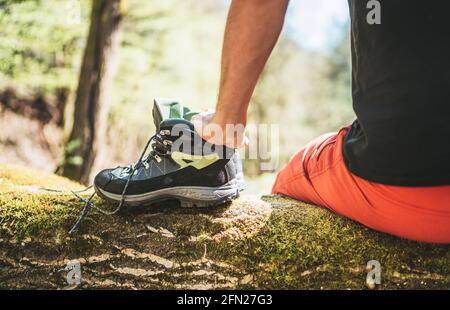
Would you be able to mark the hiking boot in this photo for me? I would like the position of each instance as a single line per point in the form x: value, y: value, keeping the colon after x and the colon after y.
x: 180, y: 165
x: 167, y: 108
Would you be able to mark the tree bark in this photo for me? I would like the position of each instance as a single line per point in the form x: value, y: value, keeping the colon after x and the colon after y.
x: 91, y: 104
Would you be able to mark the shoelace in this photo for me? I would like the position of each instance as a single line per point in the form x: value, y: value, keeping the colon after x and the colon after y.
x: 131, y: 170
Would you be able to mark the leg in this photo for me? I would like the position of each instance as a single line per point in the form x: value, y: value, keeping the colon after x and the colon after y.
x: 294, y: 179
x: 318, y: 174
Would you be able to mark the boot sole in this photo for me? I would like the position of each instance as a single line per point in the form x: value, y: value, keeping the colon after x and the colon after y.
x: 188, y: 196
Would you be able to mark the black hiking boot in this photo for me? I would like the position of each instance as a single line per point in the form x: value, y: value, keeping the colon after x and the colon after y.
x: 180, y: 165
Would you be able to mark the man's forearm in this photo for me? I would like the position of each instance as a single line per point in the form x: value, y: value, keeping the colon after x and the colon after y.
x: 252, y: 29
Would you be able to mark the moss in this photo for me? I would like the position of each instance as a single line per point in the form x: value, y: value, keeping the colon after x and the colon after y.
x: 24, y: 214
x: 273, y: 242
x: 18, y: 178
x: 302, y: 244
x: 35, y: 203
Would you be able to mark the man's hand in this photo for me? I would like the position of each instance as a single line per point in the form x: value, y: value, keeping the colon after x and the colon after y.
x: 231, y: 135
x: 252, y: 30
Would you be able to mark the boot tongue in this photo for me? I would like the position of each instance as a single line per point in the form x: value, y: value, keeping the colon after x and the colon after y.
x: 166, y: 108
x: 169, y: 114
x: 175, y: 127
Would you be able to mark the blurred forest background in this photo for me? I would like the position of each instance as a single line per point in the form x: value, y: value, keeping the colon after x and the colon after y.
x: 167, y: 48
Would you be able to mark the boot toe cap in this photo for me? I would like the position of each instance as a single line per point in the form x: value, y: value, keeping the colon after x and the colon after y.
x: 103, y: 178
x: 107, y: 181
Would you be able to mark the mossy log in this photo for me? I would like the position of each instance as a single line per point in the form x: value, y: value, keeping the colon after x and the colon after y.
x: 255, y: 242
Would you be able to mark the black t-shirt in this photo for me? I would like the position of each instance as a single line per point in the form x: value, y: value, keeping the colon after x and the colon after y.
x: 401, y: 92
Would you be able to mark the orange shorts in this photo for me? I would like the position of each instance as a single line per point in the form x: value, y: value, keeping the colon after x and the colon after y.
x: 317, y: 174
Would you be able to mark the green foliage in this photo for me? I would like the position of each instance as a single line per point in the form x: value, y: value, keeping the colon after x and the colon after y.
x: 332, y: 107
x: 171, y: 48
x: 41, y: 44
x: 68, y: 157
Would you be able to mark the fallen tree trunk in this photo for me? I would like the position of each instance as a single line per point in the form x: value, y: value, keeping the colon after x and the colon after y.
x: 263, y: 243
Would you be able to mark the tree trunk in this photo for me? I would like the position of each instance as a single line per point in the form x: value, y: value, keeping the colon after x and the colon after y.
x: 255, y: 242
x: 91, y: 104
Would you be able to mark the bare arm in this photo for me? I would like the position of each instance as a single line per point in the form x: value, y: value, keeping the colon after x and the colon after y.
x: 252, y: 30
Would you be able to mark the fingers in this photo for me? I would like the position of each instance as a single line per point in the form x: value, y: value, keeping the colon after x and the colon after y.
x: 230, y: 135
